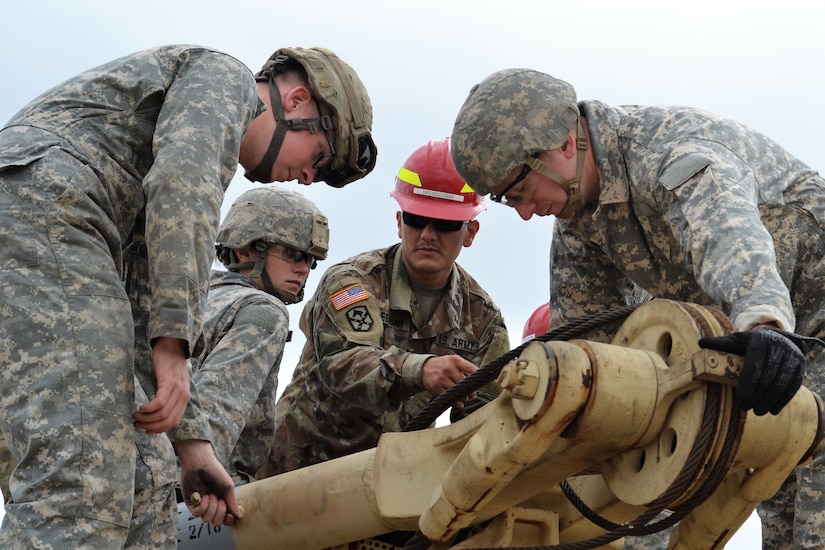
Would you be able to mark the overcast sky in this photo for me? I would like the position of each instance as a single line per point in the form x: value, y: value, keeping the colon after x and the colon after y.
x: 759, y: 62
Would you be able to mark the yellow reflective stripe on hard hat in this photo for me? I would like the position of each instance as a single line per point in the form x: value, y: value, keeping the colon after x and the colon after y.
x: 467, y: 189
x: 408, y: 176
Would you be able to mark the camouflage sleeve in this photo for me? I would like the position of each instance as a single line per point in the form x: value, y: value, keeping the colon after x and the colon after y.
x: 497, y: 344
x: 583, y: 281
x: 494, y: 344
x: 351, y: 358
x: 711, y: 202
x: 496, y: 341
x: 195, y: 423
x: 243, y: 364
x: 204, y: 115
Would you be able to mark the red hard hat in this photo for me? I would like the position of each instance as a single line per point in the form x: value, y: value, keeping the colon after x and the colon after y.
x: 538, y: 323
x: 428, y: 185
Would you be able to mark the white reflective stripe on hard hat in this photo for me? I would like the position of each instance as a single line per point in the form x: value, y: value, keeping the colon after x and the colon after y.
x: 439, y: 195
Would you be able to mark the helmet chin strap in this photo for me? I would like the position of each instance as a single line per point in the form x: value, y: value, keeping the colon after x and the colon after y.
x: 286, y: 297
x: 263, y: 172
x: 259, y: 270
x: 571, y: 186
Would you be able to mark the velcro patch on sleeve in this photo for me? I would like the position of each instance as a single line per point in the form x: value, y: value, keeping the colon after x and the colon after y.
x: 348, y: 296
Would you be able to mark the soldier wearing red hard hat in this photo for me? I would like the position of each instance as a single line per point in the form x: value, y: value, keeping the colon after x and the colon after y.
x: 537, y: 324
x: 428, y: 185
x: 389, y: 329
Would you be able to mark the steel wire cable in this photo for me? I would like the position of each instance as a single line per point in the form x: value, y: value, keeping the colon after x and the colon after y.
x: 491, y: 370
x: 640, y: 525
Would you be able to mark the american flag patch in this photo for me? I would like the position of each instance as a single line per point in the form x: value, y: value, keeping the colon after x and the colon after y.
x: 349, y: 295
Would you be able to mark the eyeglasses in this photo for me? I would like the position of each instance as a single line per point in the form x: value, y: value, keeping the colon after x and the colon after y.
x: 362, y: 160
x: 326, y: 158
x: 289, y: 254
x: 420, y: 222
x: 500, y: 197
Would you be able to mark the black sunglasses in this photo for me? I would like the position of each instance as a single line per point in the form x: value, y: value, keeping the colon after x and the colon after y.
x: 289, y: 254
x: 420, y: 222
x: 364, y: 161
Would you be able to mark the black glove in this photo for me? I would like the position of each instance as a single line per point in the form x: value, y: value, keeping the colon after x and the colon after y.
x: 774, y: 366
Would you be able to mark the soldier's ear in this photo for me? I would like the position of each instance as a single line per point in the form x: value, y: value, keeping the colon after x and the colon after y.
x: 296, y: 98
x: 472, y: 228
x: 246, y: 254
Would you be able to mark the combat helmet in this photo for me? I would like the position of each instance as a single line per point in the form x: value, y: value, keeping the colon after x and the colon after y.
x: 267, y: 215
x: 428, y: 185
x: 335, y: 84
x: 507, y: 120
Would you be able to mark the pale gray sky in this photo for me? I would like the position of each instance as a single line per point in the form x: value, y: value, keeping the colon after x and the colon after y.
x: 759, y: 62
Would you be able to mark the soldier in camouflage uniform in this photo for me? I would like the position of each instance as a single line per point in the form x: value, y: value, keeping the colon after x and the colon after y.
x: 689, y: 206
x: 135, y: 155
x: 269, y: 241
x: 388, y: 329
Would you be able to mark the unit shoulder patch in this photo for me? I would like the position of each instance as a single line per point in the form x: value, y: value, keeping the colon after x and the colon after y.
x: 360, y: 319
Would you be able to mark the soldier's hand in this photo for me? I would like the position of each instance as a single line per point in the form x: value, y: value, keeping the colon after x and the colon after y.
x: 774, y: 366
x: 442, y: 372
x: 171, y: 373
x: 207, y: 488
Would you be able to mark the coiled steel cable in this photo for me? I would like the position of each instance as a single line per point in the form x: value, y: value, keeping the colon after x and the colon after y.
x: 640, y: 525
x: 490, y: 372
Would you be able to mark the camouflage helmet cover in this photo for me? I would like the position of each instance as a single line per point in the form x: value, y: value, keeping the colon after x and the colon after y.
x: 337, y: 85
x: 506, y: 118
x: 275, y: 215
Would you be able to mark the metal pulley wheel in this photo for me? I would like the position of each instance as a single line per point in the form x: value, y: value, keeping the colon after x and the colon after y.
x: 671, y: 330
